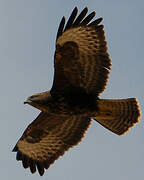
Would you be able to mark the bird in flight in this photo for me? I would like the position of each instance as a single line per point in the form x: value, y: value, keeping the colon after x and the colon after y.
x: 81, y: 69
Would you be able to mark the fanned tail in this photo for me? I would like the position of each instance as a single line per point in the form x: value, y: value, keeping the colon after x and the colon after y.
x: 118, y: 115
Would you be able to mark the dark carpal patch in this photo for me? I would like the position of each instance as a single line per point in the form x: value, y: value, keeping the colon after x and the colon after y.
x: 35, y: 135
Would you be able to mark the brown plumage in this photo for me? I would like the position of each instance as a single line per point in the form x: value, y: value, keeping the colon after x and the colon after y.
x: 82, y: 66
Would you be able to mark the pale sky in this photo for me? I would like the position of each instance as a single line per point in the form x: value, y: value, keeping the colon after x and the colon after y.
x: 27, y: 43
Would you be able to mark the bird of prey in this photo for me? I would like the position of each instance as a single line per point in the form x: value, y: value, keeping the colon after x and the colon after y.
x: 81, y: 69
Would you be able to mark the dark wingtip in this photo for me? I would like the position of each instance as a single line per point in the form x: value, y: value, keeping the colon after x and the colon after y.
x: 32, y: 166
x: 75, y: 9
x: 88, y: 18
x: 15, y: 149
x: 25, y: 161
x: 96, y: 22
x: 40, y: 168
x: 61, y: 26
x: 80, y: 20
x: 71, y: 18
x: 19, y: 156
x: 85, y: 9
x: 80, y: 17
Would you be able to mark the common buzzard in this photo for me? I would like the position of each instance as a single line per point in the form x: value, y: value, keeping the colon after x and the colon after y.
x: 82, y: 65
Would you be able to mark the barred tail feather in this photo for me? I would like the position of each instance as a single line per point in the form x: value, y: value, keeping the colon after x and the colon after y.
x: 118, y: 115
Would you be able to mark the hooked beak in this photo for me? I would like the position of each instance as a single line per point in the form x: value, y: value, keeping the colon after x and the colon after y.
x: 28, y: 101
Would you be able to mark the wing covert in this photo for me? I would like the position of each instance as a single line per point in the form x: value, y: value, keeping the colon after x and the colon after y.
x: 47, y: 138
x: 81, y: 57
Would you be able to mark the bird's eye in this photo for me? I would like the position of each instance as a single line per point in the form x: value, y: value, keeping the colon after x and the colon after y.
x: 33, y: 96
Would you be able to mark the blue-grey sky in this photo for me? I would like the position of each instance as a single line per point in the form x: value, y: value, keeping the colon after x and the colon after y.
x: 27, y: 43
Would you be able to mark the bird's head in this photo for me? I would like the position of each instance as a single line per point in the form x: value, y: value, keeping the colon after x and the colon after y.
x: 40, y: 101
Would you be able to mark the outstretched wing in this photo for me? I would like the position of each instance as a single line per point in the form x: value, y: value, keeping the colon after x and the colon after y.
x: 47, y: 138
x: 81, y: 57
